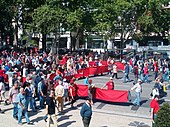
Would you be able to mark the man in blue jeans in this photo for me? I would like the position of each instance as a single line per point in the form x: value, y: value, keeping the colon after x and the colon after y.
x: 40, y: 93
x: 126, y: 74
x: 21, y: 99
x: 138, y: 89
x: 12, y: 97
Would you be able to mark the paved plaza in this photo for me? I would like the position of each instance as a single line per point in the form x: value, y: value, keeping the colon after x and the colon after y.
x: 105, y: 114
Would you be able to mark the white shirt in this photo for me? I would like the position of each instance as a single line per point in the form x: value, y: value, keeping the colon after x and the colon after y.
x: 137, y: 87
x: 155, y: 91
x: 59, y: 90
x: 2, y: 87
x: 66, y: 85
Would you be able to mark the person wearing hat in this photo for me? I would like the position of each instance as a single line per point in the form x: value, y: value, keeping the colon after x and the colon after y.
x: 109, y: 84
x: 86, y: 112
x: 138, y: 89
x: 154, y: 105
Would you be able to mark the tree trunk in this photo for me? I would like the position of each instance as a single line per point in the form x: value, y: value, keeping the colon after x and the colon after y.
x: 44, y: 42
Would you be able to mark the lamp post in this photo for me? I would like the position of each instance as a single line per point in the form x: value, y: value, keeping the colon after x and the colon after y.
x: 121, y: 36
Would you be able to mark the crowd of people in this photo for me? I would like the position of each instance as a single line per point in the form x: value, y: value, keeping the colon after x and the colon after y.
x: 33, y: 77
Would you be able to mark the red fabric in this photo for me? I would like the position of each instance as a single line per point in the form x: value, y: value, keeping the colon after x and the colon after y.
x: 68, y: 77
x: 104, y: 62
x: 106, y: 95
x: 92, y: 63
x: 145, y: 70
x: 155, y: 105
x: 2, y: 72
x: 73, y: 89
x: 52, y: 76
x: 110, y: 85
x: 82, y: 90
x: 120, y: 66
x: 23, y: 79
x: 5, y: 78
x: 112, y: 95
x: 93, y: 71
x: 86, y: 72
x: 131, y: 62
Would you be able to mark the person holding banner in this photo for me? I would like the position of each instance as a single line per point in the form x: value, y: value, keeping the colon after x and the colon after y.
x: 109, y: 84
x: 138, y: 89
x: 90, y: 90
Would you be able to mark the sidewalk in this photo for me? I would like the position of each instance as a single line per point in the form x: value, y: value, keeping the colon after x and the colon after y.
x: 72, y: 118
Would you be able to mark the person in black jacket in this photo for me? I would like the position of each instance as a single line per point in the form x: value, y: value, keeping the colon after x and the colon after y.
x: 50, y: 109
x: 86, y: 112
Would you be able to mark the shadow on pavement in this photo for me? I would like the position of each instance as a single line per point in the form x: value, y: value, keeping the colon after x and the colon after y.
x: 37, y: 119
x: 64, y: 117
x: 67, y: 110
x: 138, y: 124
x: 114, y: 103
x: 5, y: 110
x: 67, y: 124
x: 34, y: 113
x: 143, y: 102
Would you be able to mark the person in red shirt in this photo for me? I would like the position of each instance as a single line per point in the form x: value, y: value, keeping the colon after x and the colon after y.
x: 156, y: 68
x: 154, y: 105
x: 109, y: 84
x: 72, y: 92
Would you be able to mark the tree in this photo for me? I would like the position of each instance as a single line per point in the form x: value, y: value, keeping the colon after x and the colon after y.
x: 79, y: 18
x: 48, y: 18
x: 163, y: 116
x: 6, y: 16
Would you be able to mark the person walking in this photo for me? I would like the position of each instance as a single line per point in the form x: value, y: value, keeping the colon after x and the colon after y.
x: 2, y: 92
x: 50, y: 109
x: 126, y: 74
x: 138, y: 89
x: 59, y: 93
x: 21, y: 100
x: 86, y: 112
x: 40, y: 93
x: 154, y: 105
x: 146, y: 73
x: 12, y: 97
x: 66, y: 87
x: 115, y: 70
x: 72, y: 92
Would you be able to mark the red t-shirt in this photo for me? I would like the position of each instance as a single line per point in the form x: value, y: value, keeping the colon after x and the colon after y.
x: 110, y: 85
x: 2, y: 72
x: 73, y: 91
x: 155, y: 105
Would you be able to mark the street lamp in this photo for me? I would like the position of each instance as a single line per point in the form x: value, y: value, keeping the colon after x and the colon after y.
x: 121, y: 36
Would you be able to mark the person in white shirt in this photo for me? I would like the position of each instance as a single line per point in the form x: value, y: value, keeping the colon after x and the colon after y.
x: 66, y: 87
x: 115, y: 70
x: 59, y: 93
x: 138, y: 89
x: 2, y: 92
x: 155, y: 91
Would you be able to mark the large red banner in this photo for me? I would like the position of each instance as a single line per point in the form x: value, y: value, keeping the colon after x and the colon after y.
x: 111, y: 95
x: 103, y: 94
x: 120, y: 66
x: 82, y: 90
